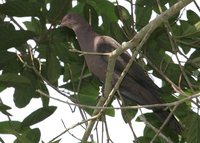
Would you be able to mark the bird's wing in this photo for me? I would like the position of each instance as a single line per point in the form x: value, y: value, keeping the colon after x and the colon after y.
x: 137, y: 85
x: 107, y: 44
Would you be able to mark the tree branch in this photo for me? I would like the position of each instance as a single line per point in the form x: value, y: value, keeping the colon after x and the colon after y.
x: 171, y: 104
x: 73, y: 126
x: 165, y: 122
x: 154, y: 128
x: 134, y: 42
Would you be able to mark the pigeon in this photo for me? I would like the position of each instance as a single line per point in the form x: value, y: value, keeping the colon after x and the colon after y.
x: 136, y: 87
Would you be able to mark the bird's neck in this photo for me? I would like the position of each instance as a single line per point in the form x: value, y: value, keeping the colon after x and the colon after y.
x: 86, y: 37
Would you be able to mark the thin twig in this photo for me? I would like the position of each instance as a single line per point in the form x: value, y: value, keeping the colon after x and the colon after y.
x: 96, y: 131
x: 40, y: 76
x: 15, y: 22
x: 153, y: 24
x: 82, y: 53
x: 83, y: 115
x: 73, y: 126
x: 107, y: 132
x: 171, y: 104
x: 196, y: 5
x: 108, y: 92
x: 127, y: 117
x: 102, y: 128
x: 175, y: 49
x: 69, y: 131
x: 164, y: 123
x: 153, y: 128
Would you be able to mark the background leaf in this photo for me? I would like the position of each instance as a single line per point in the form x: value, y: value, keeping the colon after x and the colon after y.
x: 35, y: 54
x: 20, y: 8
x: 38, y: 115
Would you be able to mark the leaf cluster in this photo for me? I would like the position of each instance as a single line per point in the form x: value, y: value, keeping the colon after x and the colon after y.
x: 170, y: 54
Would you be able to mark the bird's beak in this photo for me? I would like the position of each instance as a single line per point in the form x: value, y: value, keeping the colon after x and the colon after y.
x: 63, y: 21
x: 62, y: 24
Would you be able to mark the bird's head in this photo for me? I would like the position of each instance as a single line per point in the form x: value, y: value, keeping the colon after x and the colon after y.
x: 72, y: 20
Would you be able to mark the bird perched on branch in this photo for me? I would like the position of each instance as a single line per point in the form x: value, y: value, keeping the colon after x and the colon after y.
x: 136, y: 87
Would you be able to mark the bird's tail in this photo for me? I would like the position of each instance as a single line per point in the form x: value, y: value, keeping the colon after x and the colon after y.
x: 172, y: 122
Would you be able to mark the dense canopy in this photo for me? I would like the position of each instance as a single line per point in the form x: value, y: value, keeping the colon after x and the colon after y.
x: 38, y: 53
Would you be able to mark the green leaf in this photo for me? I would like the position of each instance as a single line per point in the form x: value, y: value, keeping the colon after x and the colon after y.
x: 57, y: 141
x: 58, y: 8
x: 127, y: 21
x: 23, y: 95
x: 110, y: 112
x: 128, y: 114
x: 79, y: 8
x: 45, y: 100
x: 172, y: 2
x: 143, y: 139
x: 92, y: 16
x: 148, y: 136
x: 9, y: 127
x: 152, y: 46
x: 86, y: 100
x: 13, y: 80
x: 156, y: 122
x: 183, y: 110
x: 4, y: 108
x: 37, y: 116
x: 143, y: 14
x: 29, y: 136
x: 192, y: 123
x: 173, y: 71
x: 88, y: 93
x: 122, y: 13
x: 117, y: 33
x: 194, y: 59
x: 197, y: 26
x: 5, y: 57
x: 102, y: 6
x: 21, y: 139
x: 153, y: 4
x: 9, y: 62
x: 72, y: 71
x: 58, y: 36
x: 34, y: 135
x: 53, y: 66
x: 20, y: 8
x: 34, y: 25
x: 193, y: 17
x: 187, y: 28
x: 13, y: 38
x: 162, y: 40
x: 63, y: 53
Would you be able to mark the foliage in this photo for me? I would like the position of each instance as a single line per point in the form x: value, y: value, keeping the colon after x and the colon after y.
x: 29, y: 68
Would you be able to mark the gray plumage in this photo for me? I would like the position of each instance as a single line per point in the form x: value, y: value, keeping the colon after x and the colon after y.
x: 136, y: 86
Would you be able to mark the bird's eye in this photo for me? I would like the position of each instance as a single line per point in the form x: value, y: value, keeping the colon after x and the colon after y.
x: 69, y: 16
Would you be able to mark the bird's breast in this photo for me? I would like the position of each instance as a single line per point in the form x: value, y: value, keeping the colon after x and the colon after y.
x: 97, y: 66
